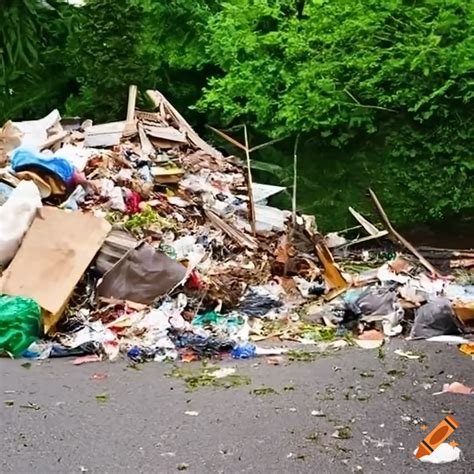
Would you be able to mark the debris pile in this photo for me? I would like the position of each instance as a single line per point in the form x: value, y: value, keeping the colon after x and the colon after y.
x: 138, y: 237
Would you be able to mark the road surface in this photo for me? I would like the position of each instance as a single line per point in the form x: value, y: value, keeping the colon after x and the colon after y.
x: 57, y: 418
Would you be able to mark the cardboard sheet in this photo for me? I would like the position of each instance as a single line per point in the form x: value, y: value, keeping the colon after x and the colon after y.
x: 54, y: 254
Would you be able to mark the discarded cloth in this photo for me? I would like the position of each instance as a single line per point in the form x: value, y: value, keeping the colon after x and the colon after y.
x: 260, y: 300
x: 201, y: 345
x: 44, y: 349
x: 26, y: 159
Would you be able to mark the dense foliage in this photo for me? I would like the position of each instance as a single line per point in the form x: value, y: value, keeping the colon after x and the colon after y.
x: 102, y: 56
x: 382, y: 92
x: 33, y: 76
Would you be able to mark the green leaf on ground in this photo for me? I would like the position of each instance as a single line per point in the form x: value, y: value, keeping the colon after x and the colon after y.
x: 264, y: 391
x: 102, y: 397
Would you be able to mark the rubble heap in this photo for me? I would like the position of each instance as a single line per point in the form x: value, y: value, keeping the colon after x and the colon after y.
x: 138, y: 237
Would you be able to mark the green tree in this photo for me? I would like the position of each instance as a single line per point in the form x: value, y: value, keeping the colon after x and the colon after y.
x: 388, y: 83
x: 102, y: 54
x: 31, y: 33
x: 173, y: 47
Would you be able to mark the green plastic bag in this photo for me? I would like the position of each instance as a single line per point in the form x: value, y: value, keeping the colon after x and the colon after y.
x: 208, y: 319
x: 19, y: 324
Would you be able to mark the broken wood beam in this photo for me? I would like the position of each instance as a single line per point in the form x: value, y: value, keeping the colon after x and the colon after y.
x: 251, y: 204
x: 147, y: 148
x: 332, y: 275
x: 397, y: 238
x: 160, y: 102
x: 132, y: 100
x: 235, y: 234
x: 130, y: 127
x: 56, y: 138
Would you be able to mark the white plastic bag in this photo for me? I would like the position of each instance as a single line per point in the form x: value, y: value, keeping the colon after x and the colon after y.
x: 16, y: 216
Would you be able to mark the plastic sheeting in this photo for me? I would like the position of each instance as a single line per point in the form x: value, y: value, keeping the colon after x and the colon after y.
x: 435, y: 318
x: 19, y: 324
x: 142, y: 276
x: 16, y: 216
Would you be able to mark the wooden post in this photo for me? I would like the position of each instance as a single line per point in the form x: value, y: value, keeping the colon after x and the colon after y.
x: 132, y: 100
x: 295, y: 176
x: 399, y: 238
x: 252, y: 216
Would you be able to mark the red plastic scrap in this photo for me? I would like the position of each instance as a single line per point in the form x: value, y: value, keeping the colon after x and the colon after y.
x: 195, y: 281
x: 133, y: 203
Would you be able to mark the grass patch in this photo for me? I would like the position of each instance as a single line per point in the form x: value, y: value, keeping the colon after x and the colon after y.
x: 204, y: 378
x: 396, y: 373
x: 318, y: 333
x: 262, y: 391
x: 102, y: 397
x: 302, y: 356
x: 381, y: 353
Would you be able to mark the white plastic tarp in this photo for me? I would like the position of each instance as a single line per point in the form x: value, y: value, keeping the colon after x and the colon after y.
x: 35, y: 132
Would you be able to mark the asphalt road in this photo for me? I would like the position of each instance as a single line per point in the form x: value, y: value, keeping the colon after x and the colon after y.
x: 53, y: 422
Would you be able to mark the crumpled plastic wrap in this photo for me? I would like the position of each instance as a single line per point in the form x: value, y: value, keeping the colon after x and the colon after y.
x: 435, y: 318
x: 19, y: 324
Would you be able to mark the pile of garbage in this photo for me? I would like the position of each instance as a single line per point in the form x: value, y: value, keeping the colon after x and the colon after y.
x: 139, y: 238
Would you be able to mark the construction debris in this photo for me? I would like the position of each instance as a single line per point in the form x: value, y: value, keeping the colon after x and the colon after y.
x: 139, y: 238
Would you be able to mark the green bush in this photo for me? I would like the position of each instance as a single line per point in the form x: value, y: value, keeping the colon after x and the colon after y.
x: 381, y: 92
x: 388, y: 84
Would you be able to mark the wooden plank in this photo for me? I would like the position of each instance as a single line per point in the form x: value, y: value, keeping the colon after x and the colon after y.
x: 56, y: 251
x: 251, y: 203
x: 147, y: 148
x: 332, y: 275
x: 132, y: 100
x: 165, y: 133
x: 145, y: 117
x: 465, y: 263
x: 368, y: 226
x: 160, y: 101
x: 104, y: 135
x: 238, y: 236
x: 53, y: 140
x: 399, y: 238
